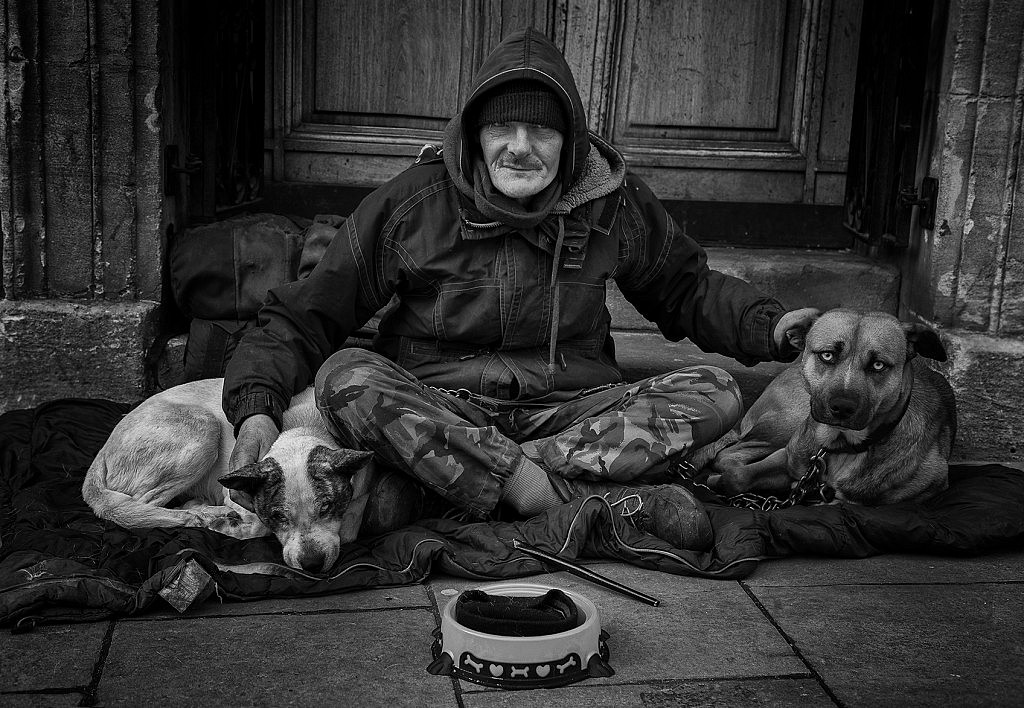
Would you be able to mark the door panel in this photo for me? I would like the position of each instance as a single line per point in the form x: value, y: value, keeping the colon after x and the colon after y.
x: 380, y: 62
x: 710, y: 100
x: 706, y: 68
x: 361, y: 86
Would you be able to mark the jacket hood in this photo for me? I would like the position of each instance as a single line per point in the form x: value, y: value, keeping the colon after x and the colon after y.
x: 527, y: 54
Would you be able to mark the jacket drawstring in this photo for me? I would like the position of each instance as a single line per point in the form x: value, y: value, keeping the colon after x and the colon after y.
x: 553, y: 341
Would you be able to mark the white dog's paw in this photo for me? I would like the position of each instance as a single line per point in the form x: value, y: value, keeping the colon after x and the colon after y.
x: 213, y: 517
x: 239, y: 525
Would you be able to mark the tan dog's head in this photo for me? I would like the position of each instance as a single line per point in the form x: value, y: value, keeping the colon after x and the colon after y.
x: 301, y: 491
x: 856, y: 365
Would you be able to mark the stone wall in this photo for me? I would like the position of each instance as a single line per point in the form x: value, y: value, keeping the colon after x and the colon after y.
x: 80, y: 198
x: 968, y: 274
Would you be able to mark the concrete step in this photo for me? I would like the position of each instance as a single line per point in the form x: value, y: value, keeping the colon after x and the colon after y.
x: 643, y: 354
x: 798, y: 278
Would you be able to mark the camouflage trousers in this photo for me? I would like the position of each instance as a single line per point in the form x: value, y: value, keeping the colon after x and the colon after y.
x: 464, y: 446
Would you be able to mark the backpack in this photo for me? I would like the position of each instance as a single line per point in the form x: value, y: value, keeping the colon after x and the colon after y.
x: 219, y: 276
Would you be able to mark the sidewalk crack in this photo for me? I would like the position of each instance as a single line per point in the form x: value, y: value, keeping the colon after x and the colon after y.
x: 89, y: 694
x: 792, y: 644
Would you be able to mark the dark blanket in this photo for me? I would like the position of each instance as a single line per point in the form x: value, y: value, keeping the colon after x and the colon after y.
x: 60, y: 563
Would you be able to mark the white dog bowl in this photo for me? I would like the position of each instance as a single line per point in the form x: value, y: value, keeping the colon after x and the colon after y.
x: 544, y: 661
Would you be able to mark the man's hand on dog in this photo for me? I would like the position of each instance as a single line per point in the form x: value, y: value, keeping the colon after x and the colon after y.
x: 255, y: 436
x: 790, y: 331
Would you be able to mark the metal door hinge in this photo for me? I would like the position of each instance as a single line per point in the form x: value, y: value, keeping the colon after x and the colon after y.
x: 172, y: 155
x: 909, y: 197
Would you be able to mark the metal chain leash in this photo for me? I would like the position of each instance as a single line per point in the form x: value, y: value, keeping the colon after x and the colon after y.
x: 810, y: 489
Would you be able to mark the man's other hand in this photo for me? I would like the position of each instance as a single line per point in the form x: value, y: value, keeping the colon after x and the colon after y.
x: 255, y: 436
x: 792, y: 328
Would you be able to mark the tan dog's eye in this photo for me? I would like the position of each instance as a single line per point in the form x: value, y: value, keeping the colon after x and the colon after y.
x: 877, y: 367
x: 827, y: 357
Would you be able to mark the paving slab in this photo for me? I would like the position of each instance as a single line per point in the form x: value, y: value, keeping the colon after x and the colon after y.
x: 373, y: 599
x: 39, y: 700
x: 778, y: 693
x: 50, y: 657
x: 908, y: 645
x: 351, y: 658
x: 895, y: 569
x: 702, y: 629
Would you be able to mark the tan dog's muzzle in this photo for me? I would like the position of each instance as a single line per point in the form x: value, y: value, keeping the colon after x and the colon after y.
x: 842, y: 409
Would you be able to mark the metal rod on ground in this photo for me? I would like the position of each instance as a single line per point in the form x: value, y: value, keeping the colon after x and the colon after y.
x: 585, y: 573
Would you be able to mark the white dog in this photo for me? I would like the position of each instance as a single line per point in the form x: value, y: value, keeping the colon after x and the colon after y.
x: 173, y: 450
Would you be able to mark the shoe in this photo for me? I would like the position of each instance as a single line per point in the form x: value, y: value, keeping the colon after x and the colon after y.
x: 667, y: 511
x: 398, y: 500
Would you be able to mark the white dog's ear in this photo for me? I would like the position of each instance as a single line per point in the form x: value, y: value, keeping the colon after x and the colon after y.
x: 345, y: 461
x: 244, y: 483
x: 923, y: 340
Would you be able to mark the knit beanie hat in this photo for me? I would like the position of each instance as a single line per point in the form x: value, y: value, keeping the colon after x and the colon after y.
x: 524, y: 101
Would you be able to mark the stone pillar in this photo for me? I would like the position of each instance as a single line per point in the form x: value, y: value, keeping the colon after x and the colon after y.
x: 80, y: 198
x: 968, y: 274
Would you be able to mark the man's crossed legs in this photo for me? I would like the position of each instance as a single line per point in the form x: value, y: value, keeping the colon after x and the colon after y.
x: 476, y: 451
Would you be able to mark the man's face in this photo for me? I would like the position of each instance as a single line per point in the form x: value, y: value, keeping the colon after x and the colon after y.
x: 521, y: 158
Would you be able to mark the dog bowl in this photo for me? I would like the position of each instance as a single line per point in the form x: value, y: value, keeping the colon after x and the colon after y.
x: 518, y: 662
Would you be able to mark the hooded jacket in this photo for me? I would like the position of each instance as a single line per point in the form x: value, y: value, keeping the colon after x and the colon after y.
x: 488, y: 296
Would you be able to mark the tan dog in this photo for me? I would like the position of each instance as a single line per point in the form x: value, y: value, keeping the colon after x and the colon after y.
x: 884, y: 419
x: 173, y: 449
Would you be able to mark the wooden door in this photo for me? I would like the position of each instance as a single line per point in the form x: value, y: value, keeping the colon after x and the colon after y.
x: 712, y: 101
x: 895, y: 94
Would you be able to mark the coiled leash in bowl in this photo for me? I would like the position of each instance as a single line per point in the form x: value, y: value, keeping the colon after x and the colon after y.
x: 517, y: 616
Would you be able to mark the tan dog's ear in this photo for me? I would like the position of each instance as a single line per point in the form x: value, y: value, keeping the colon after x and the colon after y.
x: 790, y: 333
x: 923, y: 340
x: 797, y: 337
x: 244, y: 483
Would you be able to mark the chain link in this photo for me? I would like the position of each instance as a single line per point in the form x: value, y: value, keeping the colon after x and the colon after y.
x: 810, y: 489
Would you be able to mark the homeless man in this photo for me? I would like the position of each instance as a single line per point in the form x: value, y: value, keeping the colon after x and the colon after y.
x: 493, y: 377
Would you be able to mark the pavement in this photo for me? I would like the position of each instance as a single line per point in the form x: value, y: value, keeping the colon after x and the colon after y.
x: 889, y: 630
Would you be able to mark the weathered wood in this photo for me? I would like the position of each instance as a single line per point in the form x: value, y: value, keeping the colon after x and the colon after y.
x: 589, y: 48
x: 486, y: 22
x: 723, y: 183
x: 364, y: 171
x: 810, y: 119
x: 840, y: 75
x: 715, y: 100
x: 706, y: 67
x: 386, y: 62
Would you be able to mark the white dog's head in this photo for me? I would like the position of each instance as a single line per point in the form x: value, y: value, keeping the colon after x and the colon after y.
x: 303, y: 492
